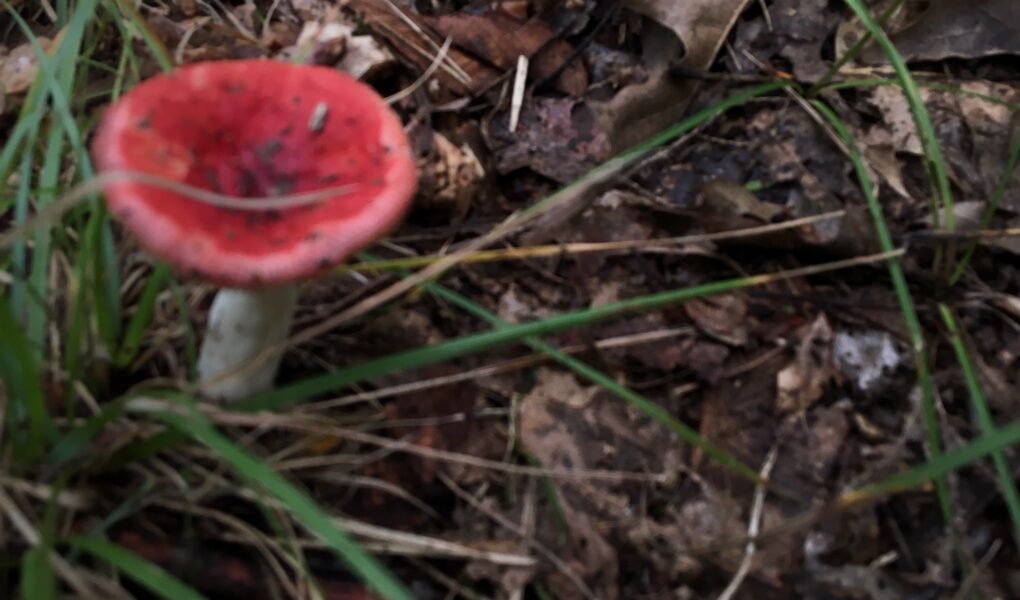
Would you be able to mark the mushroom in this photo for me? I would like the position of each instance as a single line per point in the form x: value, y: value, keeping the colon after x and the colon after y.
x: 252, y: 129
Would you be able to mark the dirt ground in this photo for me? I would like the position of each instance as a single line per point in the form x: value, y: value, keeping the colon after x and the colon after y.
x: 508, y: 474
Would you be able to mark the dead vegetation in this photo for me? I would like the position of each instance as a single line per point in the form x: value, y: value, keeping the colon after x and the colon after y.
x: 567, y: 466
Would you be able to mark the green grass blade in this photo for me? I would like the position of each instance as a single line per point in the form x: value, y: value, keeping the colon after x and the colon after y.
x: 984, y: 417
x: 37, y: 581
x: 304, y: 509
x: 938, y: 467
x: 942, y: 198
x: 905, y: 301
x: 143, y: 315
x: 152, y: 577
x: 126, y: 11
x: 27, y: 420
x: 19, y: 258
x: 851, y: 52
x: 472, y: 344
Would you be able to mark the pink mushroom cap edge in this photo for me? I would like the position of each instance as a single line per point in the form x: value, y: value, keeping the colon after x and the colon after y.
x: 256, y: 128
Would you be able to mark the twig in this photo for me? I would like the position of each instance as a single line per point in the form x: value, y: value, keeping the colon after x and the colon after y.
x: 52, y: 212
x: 753, y: 527
x: 429, y: 72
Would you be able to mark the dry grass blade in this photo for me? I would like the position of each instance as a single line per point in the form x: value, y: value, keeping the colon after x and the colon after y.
x: 296, y: 422
x: 528, y: 539
x: 63, y: 569
x: 506, y: 366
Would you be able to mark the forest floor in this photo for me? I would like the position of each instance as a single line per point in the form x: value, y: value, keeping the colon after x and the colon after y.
x: 769, y: 350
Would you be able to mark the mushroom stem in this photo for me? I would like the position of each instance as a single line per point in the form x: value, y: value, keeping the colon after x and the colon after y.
x: 242, y: 323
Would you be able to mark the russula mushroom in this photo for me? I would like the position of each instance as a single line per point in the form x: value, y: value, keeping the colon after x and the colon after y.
x: 253, y: 129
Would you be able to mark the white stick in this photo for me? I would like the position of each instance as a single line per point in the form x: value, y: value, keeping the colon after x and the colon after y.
x: 242, y: 323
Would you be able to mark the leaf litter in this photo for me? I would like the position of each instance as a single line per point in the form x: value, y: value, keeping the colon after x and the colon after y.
x: 817, y: 370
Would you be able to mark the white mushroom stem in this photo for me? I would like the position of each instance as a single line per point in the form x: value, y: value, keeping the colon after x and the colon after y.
x: 243, y: 323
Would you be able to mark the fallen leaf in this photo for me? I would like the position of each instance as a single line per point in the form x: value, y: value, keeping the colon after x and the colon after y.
x: 500, y: 39
x: 957, y: 28
x: 320, y: 43
x: 801, y: 29
x: 565, y: 425
x: 721, y: 317
x: 407, y: 34
x: 364, y: 57
x: 19, y: 67
x: 804, y: 380
x: 974, y: 130
x: 450, y: 176
x: 556, y: 137
x: 696, y: 29
x: 702, y: 25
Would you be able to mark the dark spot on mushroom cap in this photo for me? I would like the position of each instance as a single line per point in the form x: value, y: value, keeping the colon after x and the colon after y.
x: 212, y: 179
x: 230, y: 234
x: 387, y: 149
x: 234, y: 87
x: 329, y: 178
x: 269, y: 149
x: 312, y: 236
x: 145, y: 122
x: 259, y: 218
x: 378, y: 181
x: 351, y: 121
x: 296, y: 99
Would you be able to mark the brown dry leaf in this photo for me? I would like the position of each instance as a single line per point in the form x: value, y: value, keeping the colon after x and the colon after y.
x: 365, y: 56
x: 895, y: 113
x: 460, y: 74
x: 19, y: 67
x: 702, y: 25
x: 321, y: 43
x: 880, y: 152
x: 567, y: 426
x: 697, y: 29
x: 500, y: 39
x: 722, y: 317
x: 957, y: 28
x: 449, y: 176
x: 804, y: 380
x: 725, y: 205
x: 556, y: 137
x: 974, y: 133
x: 551, y: 440
x: 802, y: 28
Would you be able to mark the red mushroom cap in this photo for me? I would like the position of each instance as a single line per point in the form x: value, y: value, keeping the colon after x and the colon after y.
x: 253, y: 128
